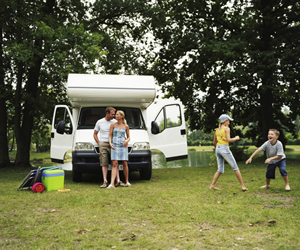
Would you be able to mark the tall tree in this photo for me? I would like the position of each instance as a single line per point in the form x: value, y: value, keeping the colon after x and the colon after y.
x: 5, y: 93
x: 41, y: 42
x: 243, y: 55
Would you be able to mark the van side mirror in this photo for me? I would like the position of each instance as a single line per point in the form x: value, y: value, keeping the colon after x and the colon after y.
x: 61, y: 127
x: 154, y: 128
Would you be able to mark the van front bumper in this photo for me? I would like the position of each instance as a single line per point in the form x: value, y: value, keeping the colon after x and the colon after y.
x: 88, y: 161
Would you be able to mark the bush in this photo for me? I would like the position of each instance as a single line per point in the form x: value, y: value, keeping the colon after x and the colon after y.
x: 239, y: 153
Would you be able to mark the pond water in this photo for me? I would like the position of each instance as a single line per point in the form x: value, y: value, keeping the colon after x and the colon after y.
x: 195, y: 159
x: 204, y: 158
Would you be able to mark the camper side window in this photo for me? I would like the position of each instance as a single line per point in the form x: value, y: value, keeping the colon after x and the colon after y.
x: 168, y: 117
x: 160, y: 120
x: 173, y: 116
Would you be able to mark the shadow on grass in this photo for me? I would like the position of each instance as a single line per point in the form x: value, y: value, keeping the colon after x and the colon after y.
x: 98, y: 179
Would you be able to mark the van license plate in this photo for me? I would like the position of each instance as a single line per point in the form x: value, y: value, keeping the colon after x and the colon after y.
x: 120, y: 167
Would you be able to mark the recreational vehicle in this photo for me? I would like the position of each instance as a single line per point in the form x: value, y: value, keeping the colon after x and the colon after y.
x: 154, y: 123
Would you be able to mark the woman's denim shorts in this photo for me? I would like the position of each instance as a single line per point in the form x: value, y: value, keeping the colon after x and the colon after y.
x: 223, y: 153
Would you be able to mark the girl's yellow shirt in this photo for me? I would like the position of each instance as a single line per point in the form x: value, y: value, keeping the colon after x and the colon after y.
x: 220, y: 140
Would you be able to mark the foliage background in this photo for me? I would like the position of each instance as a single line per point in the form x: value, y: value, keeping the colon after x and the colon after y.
x: 241, y: 55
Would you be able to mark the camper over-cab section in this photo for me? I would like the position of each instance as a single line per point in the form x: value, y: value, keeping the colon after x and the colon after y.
x: 154, y: 123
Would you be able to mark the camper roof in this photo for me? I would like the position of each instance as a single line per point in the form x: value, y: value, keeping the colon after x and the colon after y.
x: 105, y: 90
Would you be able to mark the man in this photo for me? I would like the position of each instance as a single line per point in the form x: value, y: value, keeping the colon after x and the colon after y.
x: 103, y: 126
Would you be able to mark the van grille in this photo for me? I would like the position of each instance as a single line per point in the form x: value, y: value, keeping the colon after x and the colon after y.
x: 97, y: 150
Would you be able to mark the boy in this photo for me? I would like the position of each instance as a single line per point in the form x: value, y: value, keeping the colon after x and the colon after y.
x: 275, y: 157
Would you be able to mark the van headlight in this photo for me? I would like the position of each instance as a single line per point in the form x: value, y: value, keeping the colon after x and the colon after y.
x: 86, y: 146
x: 141, y: 146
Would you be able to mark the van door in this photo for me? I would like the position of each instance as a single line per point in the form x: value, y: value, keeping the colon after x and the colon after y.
x: 62, y: 132
x: 166, y: 129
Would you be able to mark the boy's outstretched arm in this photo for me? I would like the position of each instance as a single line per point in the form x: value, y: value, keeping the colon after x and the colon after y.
x: 254, y: 154
x: 273, y: 158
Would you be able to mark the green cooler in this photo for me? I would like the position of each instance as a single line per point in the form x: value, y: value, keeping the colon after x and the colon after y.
x: 53, y: 179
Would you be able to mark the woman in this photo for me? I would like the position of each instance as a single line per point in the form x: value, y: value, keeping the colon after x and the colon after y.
x: 221, y: 143
x: 118, y: 140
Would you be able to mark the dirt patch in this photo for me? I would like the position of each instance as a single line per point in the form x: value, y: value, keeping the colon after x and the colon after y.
x: 273, y: 200
x: 8, y: 243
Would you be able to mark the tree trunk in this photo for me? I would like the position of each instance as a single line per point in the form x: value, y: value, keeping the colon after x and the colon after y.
x: 267, y: 112
x: 23, y: 134
x: 268, y: 79
x: 24, y: 131
x: 38, y: 148
x: 4, y: 157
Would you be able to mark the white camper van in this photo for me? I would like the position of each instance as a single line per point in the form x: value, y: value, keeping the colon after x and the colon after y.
x: 154, y: 123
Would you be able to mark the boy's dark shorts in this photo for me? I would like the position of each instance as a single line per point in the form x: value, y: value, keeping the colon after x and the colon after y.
x: 271, y: 169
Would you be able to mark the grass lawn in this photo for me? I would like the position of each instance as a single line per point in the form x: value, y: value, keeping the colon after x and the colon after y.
x: 174, y: 210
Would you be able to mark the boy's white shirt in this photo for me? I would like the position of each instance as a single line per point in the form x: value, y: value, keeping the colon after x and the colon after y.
x: 273, y: 150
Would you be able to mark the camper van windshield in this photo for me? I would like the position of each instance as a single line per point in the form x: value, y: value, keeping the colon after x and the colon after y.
x: 90, y: 115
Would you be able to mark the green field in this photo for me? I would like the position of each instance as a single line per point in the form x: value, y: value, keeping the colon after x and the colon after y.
x: 174, y: 210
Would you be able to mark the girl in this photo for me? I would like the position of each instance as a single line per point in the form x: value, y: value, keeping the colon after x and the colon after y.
x: 221, y: 143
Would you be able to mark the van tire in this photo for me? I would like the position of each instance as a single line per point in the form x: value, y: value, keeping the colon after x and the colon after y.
x: 146, y: 173
x: 77, y: 177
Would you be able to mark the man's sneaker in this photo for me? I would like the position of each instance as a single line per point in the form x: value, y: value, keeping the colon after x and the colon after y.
x: 104, y: 185
x: 120, y: 184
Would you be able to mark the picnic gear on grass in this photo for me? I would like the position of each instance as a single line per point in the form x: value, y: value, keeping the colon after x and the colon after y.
x: 30, y: 179
x: 38, y: 187
x: 53, y: 179
x: 34, y: 176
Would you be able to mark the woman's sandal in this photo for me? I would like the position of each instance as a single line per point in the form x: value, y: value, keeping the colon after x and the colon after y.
x: 120, y: 184
x: 104, y: 185
x: 110, y: 186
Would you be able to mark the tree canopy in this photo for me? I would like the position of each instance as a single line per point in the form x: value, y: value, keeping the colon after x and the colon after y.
x: 239, y: 57
x: 242, y: 55
x: 42, y: 41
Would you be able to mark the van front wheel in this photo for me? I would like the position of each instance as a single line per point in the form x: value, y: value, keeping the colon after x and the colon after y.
x: 77, y: 177
x: 146, y: 173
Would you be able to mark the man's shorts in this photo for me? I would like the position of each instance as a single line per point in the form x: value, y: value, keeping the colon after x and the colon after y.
x: 104, y: 153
